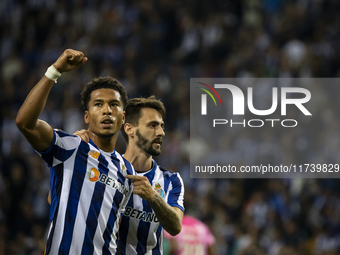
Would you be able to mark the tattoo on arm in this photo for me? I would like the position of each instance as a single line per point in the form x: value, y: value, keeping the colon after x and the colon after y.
x: 166, y: 215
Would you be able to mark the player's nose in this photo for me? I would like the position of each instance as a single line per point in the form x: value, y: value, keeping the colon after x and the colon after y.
x: 160, y: 131
x: 107, y: 109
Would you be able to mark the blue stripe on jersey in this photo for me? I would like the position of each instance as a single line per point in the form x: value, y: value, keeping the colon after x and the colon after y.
x: 128, y: 166
x: 123, y: 232
x: 112, y: 219
x: 54, y: 176
x: 116, y: 162
x: 166, y: 176
x: 175, y: 192
x: 62, y: 133
x: 55, y: 180
x: 62, y: 154
x: 156, y: 250
x: 150, y: 175
x: 143, y: 230
x: 143, y: 227
x: 96, y: 203
x: 78, y: 177
x: 45, y: 155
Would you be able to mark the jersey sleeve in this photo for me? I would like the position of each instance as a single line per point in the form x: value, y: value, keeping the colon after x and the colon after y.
x: 176, y: 193
x: 61, y: 148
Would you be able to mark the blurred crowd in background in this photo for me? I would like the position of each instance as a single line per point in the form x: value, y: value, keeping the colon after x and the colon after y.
x: 154, y: 48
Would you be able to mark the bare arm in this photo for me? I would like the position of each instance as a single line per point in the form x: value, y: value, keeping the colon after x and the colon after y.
x: 169, y: 217
x: 39, y: 133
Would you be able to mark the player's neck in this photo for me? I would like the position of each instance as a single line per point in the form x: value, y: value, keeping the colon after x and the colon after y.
x: 141, y: 161
x: 105, y: 144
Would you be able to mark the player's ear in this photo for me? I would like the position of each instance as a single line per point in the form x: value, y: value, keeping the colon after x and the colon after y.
x: 86, y: 117
x: 128, y: 128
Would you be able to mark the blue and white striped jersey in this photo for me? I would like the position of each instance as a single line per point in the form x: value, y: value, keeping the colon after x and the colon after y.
x: 88, y: 195
x: 140, y: 231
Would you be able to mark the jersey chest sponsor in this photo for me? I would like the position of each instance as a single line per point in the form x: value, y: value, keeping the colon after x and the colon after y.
x: 94, y: 175
x: 140, y: 215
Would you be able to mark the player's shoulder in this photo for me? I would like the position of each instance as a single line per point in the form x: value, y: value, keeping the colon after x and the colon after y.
x: 63, y: 138
x: 62, y: 134
x: 167, y: 173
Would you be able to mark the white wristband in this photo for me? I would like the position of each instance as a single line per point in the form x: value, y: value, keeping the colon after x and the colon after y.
x: 52, y: 73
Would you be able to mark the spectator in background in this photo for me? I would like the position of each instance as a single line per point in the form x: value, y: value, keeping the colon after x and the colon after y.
x: 194, y: 239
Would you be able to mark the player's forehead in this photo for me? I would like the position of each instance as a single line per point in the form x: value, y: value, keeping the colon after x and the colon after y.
x: 105, y: 94
x: 150, y: 115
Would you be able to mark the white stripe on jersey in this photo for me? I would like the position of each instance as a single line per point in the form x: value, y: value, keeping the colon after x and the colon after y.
x: 181, y: 196
x: 180, y: 200
x: 83, y: 206
x: 133, y: 226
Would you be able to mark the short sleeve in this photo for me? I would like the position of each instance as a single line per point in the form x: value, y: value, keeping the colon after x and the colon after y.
x: 176, y: 193
x: 61, y: 148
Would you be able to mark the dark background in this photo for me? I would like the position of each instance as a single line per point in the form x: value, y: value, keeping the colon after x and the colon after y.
x: 155, y: 47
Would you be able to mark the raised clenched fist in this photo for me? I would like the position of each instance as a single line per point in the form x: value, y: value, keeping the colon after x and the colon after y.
x: 70, y: 60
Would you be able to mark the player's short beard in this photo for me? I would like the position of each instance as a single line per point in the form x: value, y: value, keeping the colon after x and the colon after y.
x: 106, y: 136
x: 146, y: 145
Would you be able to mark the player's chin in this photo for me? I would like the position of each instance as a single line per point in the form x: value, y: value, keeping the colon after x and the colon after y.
x: 156, y: 152
x: 106, y: 134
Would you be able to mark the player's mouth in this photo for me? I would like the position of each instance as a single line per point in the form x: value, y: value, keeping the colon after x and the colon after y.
x: 157, y: 142
x: 106, y: 122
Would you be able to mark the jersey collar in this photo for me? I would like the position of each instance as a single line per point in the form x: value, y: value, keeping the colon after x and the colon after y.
x: 103, y: 152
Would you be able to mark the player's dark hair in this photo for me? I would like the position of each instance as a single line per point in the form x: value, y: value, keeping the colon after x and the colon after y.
x: 102, y: 83
x: 133, y: 111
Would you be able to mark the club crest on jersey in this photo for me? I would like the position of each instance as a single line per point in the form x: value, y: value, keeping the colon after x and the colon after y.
x: 159, y: 189
x: 123, y: 167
